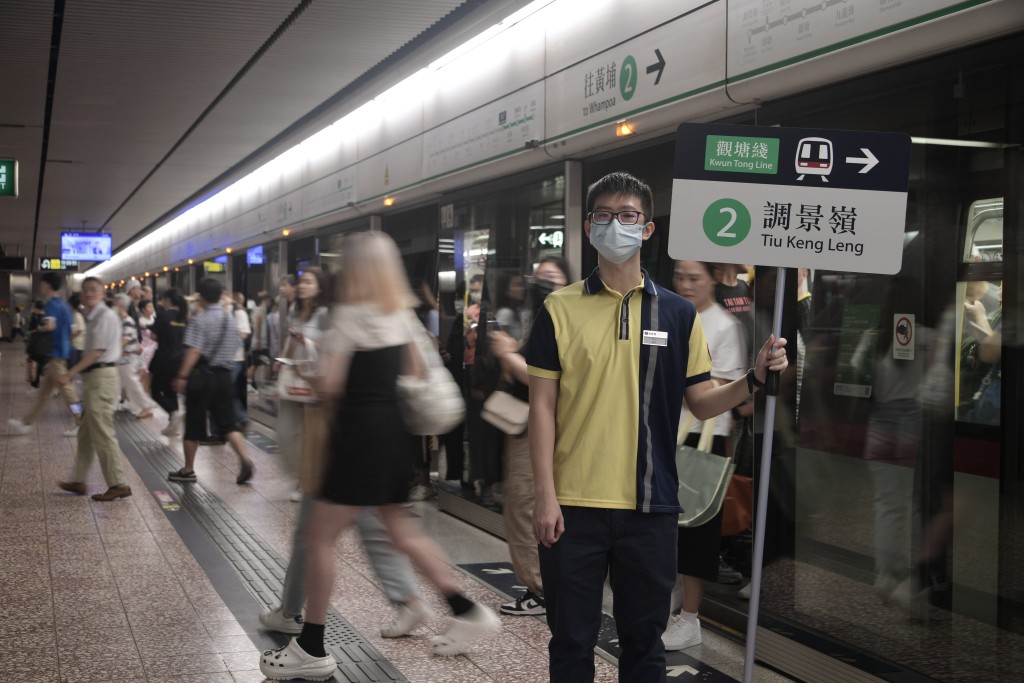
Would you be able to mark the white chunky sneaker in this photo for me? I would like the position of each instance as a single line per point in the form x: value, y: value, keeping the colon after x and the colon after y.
x: 681, y: 634
x: 291, y: 661
x: 275, y: 620
x: 408, y: 619
x: 19, y: 427
x: 471, y: 626
x: 173, y: 427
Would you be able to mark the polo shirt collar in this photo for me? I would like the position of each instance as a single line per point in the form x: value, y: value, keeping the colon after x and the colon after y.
x: 595, y: 285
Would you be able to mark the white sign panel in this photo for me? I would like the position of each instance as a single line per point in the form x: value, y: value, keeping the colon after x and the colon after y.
x: 798, y: 198
x: 498, y: 128
x: 763, y: 33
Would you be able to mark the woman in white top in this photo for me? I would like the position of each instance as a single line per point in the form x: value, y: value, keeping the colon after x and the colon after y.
x: 370, y: 454
x: 698, y: 557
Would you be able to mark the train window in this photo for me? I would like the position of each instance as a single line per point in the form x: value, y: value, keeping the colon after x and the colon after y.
x: 979, y: 370
x: 984, y: 238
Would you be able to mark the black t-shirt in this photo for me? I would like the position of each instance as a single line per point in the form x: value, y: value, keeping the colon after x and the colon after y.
x: 169, y: 335
x: 737, y: 300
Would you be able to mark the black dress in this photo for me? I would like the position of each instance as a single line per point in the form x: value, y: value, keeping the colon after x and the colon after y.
x: 371, y: 455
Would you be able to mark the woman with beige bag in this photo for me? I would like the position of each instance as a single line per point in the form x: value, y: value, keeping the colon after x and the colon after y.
x: 506, y: 411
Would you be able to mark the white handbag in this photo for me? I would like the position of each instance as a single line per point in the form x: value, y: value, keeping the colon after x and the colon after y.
x: 506, y: 412
x: 431, y: 404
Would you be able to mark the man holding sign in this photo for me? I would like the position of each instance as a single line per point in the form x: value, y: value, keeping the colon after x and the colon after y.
x: 610, y: 360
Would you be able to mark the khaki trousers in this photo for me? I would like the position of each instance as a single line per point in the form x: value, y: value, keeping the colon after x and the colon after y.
x: 96, y: 436
x: 518, y: 511
x: 53, y: 369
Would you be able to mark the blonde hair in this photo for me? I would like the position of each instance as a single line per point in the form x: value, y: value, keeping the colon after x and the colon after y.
x: 372, y: 273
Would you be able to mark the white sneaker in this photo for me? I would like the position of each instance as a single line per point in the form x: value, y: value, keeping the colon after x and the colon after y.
x: 681, y: 634
x: 291, y: 661
x: 527, y: 604
x: 296, y: 497
x: 885, y: 584
x: 473, y: 625
x: 275, y: 620
x: 19, y: 427
x: 408, y: 619
x: 422, y: 492
x: 173, y: 426
x: 744, y: 593
x: 911, y: 598
x: 72, y: 433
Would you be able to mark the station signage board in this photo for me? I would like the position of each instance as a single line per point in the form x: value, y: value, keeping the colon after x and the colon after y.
x: 8, y: 177
x: 57, y: 264
x: 790, y: 197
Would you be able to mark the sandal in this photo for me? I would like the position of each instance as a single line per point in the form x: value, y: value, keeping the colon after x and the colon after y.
x: 291, y: 661
x: 182, y: 476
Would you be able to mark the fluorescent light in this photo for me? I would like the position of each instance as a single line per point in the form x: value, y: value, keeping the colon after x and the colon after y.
x: 947, y: 142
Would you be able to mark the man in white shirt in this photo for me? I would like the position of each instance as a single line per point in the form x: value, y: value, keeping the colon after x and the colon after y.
x: 101, y: 391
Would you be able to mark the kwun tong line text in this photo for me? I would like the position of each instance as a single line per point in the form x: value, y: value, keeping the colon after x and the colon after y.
x: 817, y: 246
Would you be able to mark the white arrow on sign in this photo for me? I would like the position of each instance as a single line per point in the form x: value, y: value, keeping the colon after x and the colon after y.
x: 497, y: 571
x: 869, y: 160
x: 677, y: 671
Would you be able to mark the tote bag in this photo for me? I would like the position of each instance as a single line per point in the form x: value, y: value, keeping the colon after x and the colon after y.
x: 291, y: 387
x: 431, y: 404
x: 703, y: 476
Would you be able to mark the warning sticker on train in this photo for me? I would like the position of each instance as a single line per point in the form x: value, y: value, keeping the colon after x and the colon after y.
x: 790, y: 197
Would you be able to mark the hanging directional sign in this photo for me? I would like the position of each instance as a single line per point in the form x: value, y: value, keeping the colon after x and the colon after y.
x: 800, y: 198
x: 8, y: 177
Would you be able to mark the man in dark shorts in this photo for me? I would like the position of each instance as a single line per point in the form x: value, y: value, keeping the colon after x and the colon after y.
x: 211, y: 342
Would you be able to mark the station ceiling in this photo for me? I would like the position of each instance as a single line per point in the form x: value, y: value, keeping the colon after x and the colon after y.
x: 121, y: 112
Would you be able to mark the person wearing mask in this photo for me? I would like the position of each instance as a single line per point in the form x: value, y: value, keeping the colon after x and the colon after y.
x: 289, y: 414
x: 138, y: 403
x: 698, y: 558
x: 370, y: 455
x: 56, y: 325
x: 517, y: 507
x: 610, y: 360
x: 211, y: 341
x: 168, y: 331
x: 101, y: 389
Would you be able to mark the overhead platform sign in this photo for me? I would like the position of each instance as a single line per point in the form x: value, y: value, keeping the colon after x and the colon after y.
x: 791, y: 197
x: 8, y: 177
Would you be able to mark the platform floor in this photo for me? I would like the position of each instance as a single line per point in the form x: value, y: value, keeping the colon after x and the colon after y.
x: 165, y: 586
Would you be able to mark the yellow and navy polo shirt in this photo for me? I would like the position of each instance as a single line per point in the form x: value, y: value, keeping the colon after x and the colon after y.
x: 623, y: 364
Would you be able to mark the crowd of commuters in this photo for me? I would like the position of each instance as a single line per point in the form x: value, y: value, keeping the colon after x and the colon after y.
x: 587, y: 488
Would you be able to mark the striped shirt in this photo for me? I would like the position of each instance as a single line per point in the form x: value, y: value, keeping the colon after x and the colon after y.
x: 204, y: 331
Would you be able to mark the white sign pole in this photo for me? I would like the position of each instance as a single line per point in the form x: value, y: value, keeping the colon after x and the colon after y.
x: 762, y: 492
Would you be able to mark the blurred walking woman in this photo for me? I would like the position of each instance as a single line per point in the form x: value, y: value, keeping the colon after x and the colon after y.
x: 168, y: 331
x: 370, y: 456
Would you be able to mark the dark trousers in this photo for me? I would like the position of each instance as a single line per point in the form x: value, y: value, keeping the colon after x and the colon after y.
x: 639, y: 549
x: 162, y: 371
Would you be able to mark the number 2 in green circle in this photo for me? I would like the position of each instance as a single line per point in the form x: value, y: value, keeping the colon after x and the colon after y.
x: 726, y: 222
x: 627, y: 77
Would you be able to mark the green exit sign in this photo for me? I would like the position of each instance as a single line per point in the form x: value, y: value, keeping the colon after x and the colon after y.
x: 8, y: 177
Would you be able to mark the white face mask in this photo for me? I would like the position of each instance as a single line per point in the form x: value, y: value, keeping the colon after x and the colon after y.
x: 475, y: 296
x: 615, y: 241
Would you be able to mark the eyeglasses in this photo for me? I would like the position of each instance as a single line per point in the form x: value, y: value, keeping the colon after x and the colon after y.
x: 605, y: 217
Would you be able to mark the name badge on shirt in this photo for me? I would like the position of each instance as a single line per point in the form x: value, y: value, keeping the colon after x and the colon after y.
x: 652, y: 338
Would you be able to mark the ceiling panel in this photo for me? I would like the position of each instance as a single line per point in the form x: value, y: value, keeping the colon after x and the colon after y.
x: 134, y: 78
x: 25, y: 44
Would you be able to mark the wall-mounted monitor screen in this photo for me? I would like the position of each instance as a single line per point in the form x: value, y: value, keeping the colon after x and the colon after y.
x: 254, y: 256
x: 86, y: 246
x: 223, y: 260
